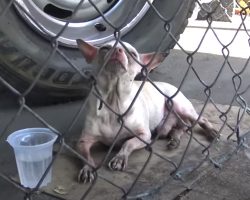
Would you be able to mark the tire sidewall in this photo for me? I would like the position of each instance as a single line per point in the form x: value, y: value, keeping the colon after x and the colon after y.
x: 24, y: 51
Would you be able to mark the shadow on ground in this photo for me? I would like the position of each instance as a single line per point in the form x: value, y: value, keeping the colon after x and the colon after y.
x: 206, y: 182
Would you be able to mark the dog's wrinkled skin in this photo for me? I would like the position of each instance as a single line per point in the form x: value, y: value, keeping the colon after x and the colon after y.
x: 117, y: 87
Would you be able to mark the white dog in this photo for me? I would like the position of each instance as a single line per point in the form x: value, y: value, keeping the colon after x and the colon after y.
x: 118, y: 89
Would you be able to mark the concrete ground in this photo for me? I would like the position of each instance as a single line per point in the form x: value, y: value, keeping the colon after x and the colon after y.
x: 229, y: 180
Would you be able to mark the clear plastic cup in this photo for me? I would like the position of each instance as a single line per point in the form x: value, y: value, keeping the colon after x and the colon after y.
x: 33, y: 152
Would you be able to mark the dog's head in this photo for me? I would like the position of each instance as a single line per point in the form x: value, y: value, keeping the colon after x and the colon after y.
x: 120, y: 62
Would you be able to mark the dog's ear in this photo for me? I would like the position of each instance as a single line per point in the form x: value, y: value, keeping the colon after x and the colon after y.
x: 152, y: 60
x: 89, y: 52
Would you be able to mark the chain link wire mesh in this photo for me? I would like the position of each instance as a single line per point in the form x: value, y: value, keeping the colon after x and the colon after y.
x: 209, y: 14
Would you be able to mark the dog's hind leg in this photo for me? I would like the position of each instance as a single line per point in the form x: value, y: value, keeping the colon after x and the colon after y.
x: 203, y: 123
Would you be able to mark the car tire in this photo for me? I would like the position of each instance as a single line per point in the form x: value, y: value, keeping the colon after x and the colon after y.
x: 23, y: 51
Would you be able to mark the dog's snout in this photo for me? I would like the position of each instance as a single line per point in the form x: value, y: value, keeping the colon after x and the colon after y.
x: 119, y: 51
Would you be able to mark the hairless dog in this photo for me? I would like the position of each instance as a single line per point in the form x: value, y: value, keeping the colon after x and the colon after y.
x: 117, y: 87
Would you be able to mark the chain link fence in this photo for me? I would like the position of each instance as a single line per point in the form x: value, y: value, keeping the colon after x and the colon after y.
x: 233, y: 128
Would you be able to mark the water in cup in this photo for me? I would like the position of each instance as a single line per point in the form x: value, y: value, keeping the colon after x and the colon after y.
x: 33, y: 151
x: 36, y: 170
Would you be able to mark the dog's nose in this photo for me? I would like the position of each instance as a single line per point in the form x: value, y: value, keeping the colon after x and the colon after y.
x: 118, y: 53
x: 119, y: 50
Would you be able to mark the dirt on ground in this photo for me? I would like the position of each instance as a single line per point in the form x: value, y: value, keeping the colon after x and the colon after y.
x: 157, y: 173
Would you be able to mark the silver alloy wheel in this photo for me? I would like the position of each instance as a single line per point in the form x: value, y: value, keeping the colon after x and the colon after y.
x: 87, y: 23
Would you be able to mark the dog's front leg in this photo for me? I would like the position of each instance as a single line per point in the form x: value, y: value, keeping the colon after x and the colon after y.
x: 84, y: 146
x: 120, y: 161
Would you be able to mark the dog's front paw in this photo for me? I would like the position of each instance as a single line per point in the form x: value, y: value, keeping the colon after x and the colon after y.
x: 173, y: 143
x: 213, y: 134
x: 118, y: 163
x: 86, y: 175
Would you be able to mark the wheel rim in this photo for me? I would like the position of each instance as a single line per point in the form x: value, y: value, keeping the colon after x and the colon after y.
x: 87, y: 22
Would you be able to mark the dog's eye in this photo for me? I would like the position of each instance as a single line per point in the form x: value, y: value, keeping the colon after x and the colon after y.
x: 133, y: 54
x: 105, y: 48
